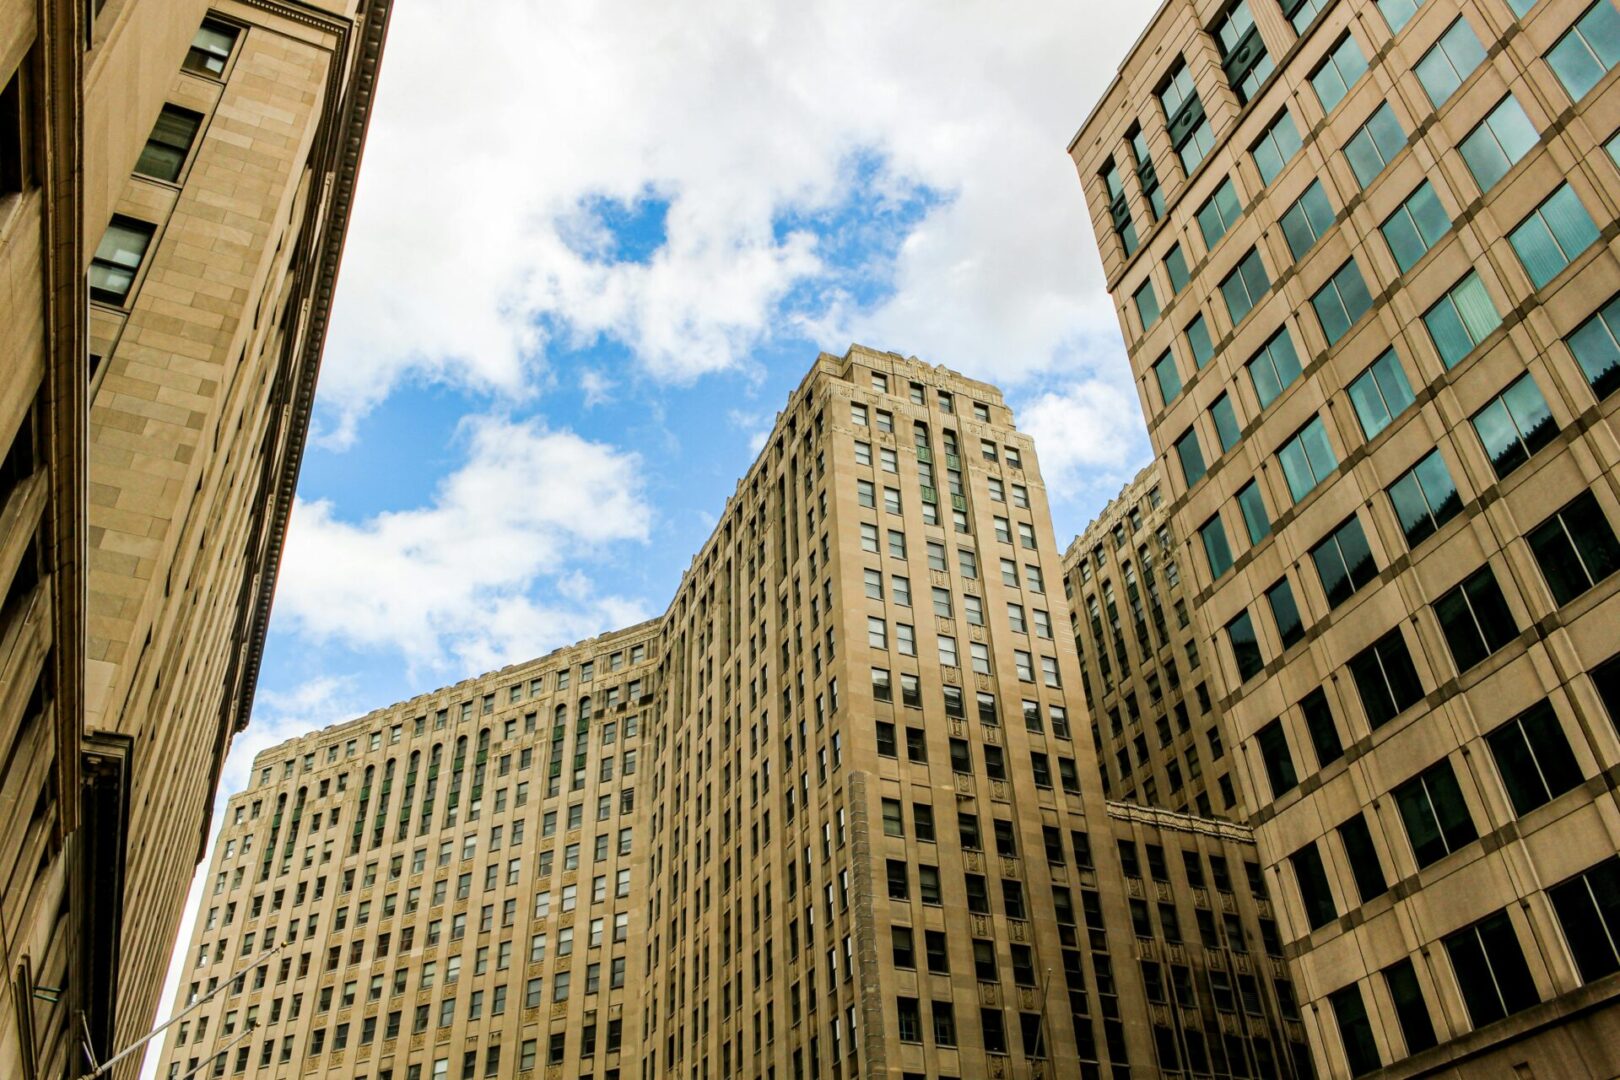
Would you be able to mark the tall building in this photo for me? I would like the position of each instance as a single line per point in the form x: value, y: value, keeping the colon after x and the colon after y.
x: 175, y: 182
x: 1361, y: 257
x: 834, y: 814
x: 1159, y: 737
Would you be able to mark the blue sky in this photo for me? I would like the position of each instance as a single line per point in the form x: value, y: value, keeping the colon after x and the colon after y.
x: 593, y: 253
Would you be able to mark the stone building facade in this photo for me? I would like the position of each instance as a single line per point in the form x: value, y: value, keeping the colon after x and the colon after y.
x: 1159, y: 737
x: 175, y: 182
x: 866, y: 834
x: 1361, y: 256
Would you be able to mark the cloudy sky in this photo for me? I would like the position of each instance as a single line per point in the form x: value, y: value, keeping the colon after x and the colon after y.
x: 595, y: 246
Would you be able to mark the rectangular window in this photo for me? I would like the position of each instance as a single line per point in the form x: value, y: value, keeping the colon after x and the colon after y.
x: 165, y: 152
x: 1588, y: 909
x: 1273, y: 743
x: 1596, y: 347
x: 1274, y: 368
x: 1244, y: 286
x: 118, y: 258
x: 1175, y: 265
x: 1118, y: 210
x: 1332, y: 81
x: 1169, y: 379
x: 1374, y: 144
x: 1575, y: 548
x: 1380, y: 393
x: 1415, y: 227
x: 1314, y: 891
x: 1452, y: 59
x: 1362, y: 856
x: 1319, y: 722
x: 1302, y: 13
x: 1245, y: 646
x: 1355, y: 1029
x: 1147, y: 304
x: 1189, y: 128
x: 1307, y: 458
x: 1307, y: 219
x: 1219, y: 213
x: 1463, y: 318
x: 1490, y: 968
x: 1341, y: 302
x: 1198, y: 340
x: 1436, y: 818
x: 1243, y: 55
x: 1344, y: 562
x: 1385, y: 679
x: 1285, y: 613
x: 211, y: 48
x: 1216, y: 548
x: 1424, y: 498
x: 1475, y: 619
x: 1276, y: 147
x: 1497, y: 144
x: 1410, y: 1009
x: 1553, y: 235
x: 1191, y: 456
x: 1515, y: 425
x: 1588, y: 51
x: 1397, y: 13
x: 1534, y: 759
x: 1253, y: 505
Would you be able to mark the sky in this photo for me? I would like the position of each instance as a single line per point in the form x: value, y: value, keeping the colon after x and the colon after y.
x: 594, y: 247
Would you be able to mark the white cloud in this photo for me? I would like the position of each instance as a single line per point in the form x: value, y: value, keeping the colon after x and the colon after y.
x: 597, y: 387
x: 469, y: 255
x: 475, y: 578
x: 1088, y: 435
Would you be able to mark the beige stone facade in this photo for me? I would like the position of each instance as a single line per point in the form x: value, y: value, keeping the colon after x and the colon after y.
x: 177, y: 179
x: 1160, y: 740
x: 1374, y: 341
x: 866, y: 835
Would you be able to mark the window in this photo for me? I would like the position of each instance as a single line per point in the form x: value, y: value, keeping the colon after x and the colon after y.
x: 1301, y: 13
x: 1285, y: 613
x: 1198, y: 340
x: 1342, y: 301
x: 1243, y: 55
x: 1380, y: 393
x: 1307, y: 219
x: 118, y: 258
x: 1244, y: 286
x: 1319, y: 722
x: 1355, y: 1029
x: 1175, y: 264
x: 1490, y: 968
x: 1397, y: 13
x: 1415, y: 227
x: 1276, y: 147
x: 1273, y: 743
x: 1498, y: 143
x: 1189, y: 128
x: 1374, y: 144
x: 1514, y: 425
x: 1147, y: 304
x: 1385, y: 679
x: 1444, y: 67
x: 1596, y: 347
x: 1585, y: 54
x: 1245, y: 646
x: 1151, y: 191
x: 1191, y: 456
x: 1314, y: 891
x: 1118, y: 210
x: 1215, y: 546
x: 1332, y: 81
x: 1307, y: 458
x: 1475, y: 619
x: 1218, y: 214
x: 1164, y: 369
x: 1575, y: 548
x: 1274, y: 368
x: 1363, y: 858
x: 1424, y: 498
x: 1436, y: 818
x: 211, y: 48
x: 1553, y: 235
x: 1588, y: 913
x: 1253, y: 505
x: 1533, y: 758
x: 170, y: 141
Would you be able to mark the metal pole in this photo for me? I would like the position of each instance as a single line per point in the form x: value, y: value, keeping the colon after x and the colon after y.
x: 102, y: 1069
